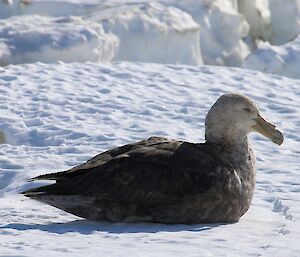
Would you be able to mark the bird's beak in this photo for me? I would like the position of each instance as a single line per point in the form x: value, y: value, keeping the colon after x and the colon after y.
x: 268, y: 130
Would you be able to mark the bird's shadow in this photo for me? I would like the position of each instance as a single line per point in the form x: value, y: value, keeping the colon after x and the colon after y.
x: 88, y: 227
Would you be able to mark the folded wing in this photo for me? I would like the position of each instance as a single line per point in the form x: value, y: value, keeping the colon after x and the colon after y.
x: 152, y: 172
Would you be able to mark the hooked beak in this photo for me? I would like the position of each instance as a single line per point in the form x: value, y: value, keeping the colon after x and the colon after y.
x: 268, y: 130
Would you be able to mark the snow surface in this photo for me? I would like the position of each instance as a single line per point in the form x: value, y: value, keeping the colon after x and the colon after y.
x: 55, y: 116
x: 258, y: 15
x: 47, y: 7
x: 283, y: 60
x: 222, y: 30
x: 155, y: 33
x: 26, y: 39
x: 213, y: 32
x: 275, y: 21
x: 148, y: 32
x: 152, y: 32
x: 285, y: 18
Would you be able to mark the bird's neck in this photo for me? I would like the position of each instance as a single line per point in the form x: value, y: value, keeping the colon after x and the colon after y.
x: 234, y: 143
x: 235, y: 151
x: 229, y: 135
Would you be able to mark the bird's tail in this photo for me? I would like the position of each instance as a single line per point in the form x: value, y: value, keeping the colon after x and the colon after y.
x: 49, y: 176
x: 54, y: 189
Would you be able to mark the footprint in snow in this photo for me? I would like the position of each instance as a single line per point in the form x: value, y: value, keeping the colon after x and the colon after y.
x: 279, y: 207
x: 5, y: 179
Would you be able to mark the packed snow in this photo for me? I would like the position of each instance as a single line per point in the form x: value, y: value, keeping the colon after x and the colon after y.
x: 47, y: 7
x: 222, y: 30
x: 148, y: 32
x: 285, y: 19
x: 155, y: 33
x: 37, y: 38
x: 283, y: 60
x: 258, y: 15
x: 55, y: 116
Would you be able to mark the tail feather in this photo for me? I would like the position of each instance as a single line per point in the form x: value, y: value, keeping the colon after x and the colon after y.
x: 54, y: 189
x: 60, y: 175
x: 49, y: 176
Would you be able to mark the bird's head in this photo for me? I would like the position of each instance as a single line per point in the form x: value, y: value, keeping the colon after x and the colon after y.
x: 233, y: 116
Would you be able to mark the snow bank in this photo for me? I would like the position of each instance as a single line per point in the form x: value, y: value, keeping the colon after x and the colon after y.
x: 60, y: 7
x: 147, y: 32
x: 222, y: 30
x: 46, y: 7
x: 155, y: 33
x: 285, y: 17
x: 151, y: 32
x: 283, y: 60
x: 257, y: 13
x: 275, y: 21
x: 69, y: 39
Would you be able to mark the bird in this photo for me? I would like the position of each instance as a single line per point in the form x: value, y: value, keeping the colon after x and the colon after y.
x: 166, y: 180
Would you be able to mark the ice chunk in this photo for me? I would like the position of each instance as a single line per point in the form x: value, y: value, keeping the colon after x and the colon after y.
x: 257, y: 14
x: 283, y: 60
x: 222, y: 30
x: 155, y: 33
x: 36, y: 38
x: 285, y: 17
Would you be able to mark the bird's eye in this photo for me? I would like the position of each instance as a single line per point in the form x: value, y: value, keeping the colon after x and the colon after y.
x: 247, y: 109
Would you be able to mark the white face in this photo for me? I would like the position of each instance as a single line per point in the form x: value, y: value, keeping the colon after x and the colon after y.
x: 234, y: 116
x: 242, y: 113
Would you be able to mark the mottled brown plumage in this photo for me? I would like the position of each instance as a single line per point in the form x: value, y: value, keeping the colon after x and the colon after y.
x: 169, y: 181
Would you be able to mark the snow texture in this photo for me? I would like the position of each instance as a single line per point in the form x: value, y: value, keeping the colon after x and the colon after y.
x: 222, y: 30
x: 155, y: 33
x: 47, y: 7
x: 283, y: 60
x: 148, y: 32
x: 258, y: 15
x: 164, y: 30
x: 26, y: 39
x: 285, y: 17
x: 55, y: 116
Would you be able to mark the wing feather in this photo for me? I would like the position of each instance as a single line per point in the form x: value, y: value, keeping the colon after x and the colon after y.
x: 152, y: 172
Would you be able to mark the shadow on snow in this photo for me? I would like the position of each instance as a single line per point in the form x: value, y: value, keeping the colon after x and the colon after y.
x: 89, y: 227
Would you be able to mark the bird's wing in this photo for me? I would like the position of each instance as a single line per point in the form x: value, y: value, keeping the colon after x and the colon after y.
x: 100, y: 159
x: 158, y: 173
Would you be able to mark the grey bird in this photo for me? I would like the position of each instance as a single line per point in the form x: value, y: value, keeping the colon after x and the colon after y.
x: 165, y: 180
